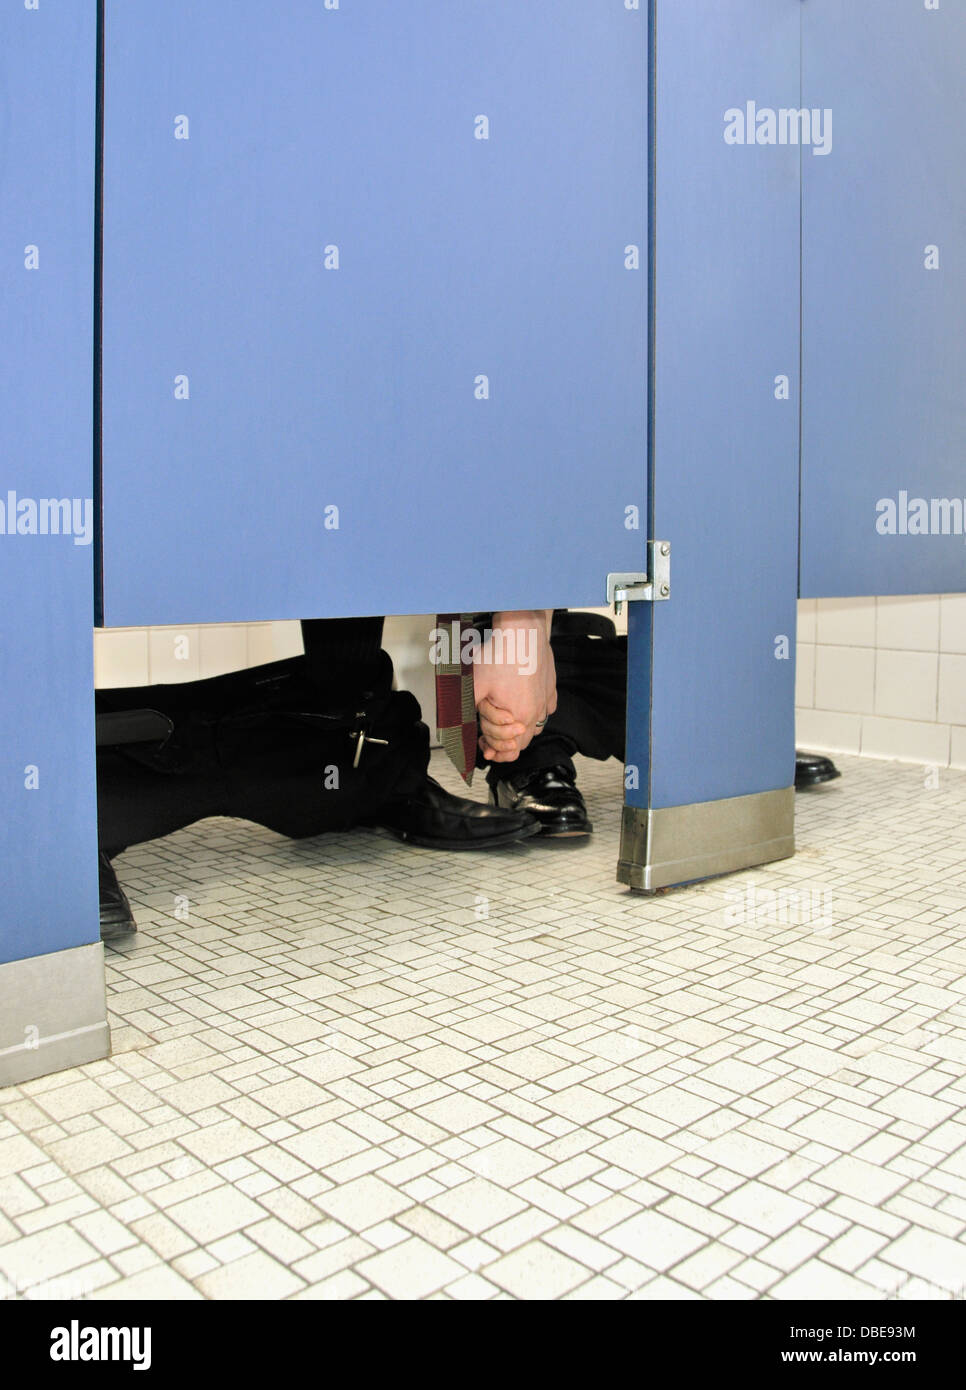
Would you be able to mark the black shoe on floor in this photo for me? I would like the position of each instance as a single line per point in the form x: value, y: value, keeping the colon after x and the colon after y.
x: 550, y: 795
x: 435, y: 819
x: 811, y: 769
x: 117, y: 919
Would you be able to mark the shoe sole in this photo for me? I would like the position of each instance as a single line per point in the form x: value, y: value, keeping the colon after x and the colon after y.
x: 803, y: 783
x: 512, y: 837
x: 547, y: 831
x: 111, y: 931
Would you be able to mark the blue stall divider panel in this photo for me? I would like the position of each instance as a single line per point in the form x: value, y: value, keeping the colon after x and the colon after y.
x: 48, y: 840
x: 884, y: 422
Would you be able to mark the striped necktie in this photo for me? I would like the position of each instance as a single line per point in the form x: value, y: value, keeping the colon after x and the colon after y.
x: 455, y: 701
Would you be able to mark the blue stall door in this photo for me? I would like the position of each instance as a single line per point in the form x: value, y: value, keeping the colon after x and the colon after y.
x: 374, y: 306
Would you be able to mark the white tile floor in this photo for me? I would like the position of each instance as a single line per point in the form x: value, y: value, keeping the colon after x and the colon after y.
x: 350, y: 1069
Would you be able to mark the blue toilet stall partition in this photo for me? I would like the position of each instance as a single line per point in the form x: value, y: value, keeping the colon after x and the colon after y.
x: 450, y: 306
x: 52, y: 1011
x: 884, y: 299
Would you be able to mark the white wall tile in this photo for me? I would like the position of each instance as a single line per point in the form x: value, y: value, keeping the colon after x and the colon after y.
x: 844, y: 678
x: 805, y: 675
x: 223, y: 649
x: 821, y: 731
x: 174, y: 654
x: 848, y: 622
x: 957, y: 751
x: 906, y: 740
x: 905, y: 684
x: 153, y: 655
x: 952, y: 608
x: 120, y: 657
x: 407, y: 642
x: 908, y: 624
x: 273, y: 642
x: 806, y: 619
x: 952, y: 689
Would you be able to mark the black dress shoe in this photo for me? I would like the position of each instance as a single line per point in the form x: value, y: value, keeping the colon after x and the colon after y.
x: 812, y: 769
x: 435, y: 819
x: 550, y: 795
x: 117, y: 919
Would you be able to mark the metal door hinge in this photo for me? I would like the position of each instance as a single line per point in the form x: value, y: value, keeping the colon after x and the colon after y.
x: 653, y: 587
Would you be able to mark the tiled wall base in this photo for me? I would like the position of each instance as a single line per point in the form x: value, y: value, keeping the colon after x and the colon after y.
x: 884, y: 678
x: 899, y: 740
x: 53, y: 1013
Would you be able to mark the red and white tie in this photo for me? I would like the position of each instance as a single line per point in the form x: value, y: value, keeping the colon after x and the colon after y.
x: 455, y: 700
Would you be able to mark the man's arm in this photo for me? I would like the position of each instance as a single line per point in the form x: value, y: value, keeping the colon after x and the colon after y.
x: 515, y: 682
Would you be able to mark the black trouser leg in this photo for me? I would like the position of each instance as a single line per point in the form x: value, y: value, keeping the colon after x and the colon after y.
x: 345, y: 658
x: 135, y: 803
x: 345, y: 654
x: 549, y: 749
x: 267, y: 776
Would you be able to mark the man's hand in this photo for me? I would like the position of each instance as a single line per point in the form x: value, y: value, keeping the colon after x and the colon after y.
x: 515, y: 683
